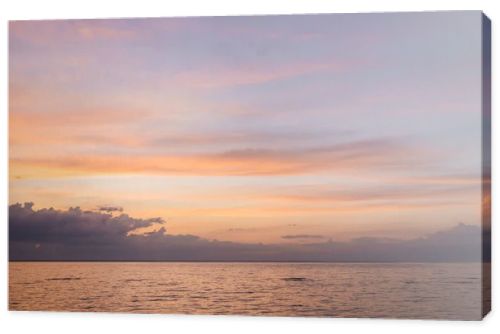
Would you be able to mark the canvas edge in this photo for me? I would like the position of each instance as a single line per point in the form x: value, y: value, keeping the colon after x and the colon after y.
x: 486, y: 163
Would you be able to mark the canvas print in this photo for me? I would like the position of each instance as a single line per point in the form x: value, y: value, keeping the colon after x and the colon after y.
x: 333, y: 165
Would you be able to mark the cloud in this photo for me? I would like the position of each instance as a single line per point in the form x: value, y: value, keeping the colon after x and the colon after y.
x: 95, y: 30
x: 385, y: 153
x: 240, y: 229
x: 110, y: 208
x: 80, y: 127
x: 72, y: 225
x: 57, y: 32
x: 410, y: 194
x: 249, y: 75
x: 302, y: 236
x: 74, y: 234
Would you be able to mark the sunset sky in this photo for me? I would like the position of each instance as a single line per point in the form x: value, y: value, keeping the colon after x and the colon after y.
x: 272, y: 129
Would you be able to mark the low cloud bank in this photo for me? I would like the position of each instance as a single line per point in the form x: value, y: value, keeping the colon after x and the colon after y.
x: 74, y: 234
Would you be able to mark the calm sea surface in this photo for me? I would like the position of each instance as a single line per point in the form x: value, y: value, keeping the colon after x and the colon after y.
x: 451, y: 291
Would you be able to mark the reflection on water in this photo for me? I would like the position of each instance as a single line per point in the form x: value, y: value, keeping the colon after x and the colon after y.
x: 450, y: 291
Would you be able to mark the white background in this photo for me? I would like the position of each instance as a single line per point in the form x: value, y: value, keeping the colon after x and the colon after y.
x: 33, y: 322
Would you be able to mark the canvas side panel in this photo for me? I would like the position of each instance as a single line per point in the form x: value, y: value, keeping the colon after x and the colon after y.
x: 486, y: 164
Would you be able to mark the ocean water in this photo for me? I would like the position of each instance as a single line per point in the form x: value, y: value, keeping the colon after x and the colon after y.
x: 435, y: 291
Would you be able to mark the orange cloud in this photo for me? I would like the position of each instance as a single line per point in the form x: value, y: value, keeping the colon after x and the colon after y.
x: 362, y: 155
x: 80, y: 117
x: 401, y: 192
x: 76, y: 127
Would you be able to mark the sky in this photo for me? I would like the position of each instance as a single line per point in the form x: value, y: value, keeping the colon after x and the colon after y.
x: 272, y: 130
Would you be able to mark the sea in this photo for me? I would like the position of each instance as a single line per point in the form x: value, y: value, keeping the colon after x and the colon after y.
x: 360, y: 290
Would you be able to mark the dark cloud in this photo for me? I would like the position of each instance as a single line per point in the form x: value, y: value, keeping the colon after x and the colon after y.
x: 72, y: 225
x: 302, y: 236
x: 74, y: 234
x: 110, y: 208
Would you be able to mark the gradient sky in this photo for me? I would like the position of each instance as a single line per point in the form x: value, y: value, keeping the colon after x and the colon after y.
x: 253, y: 129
